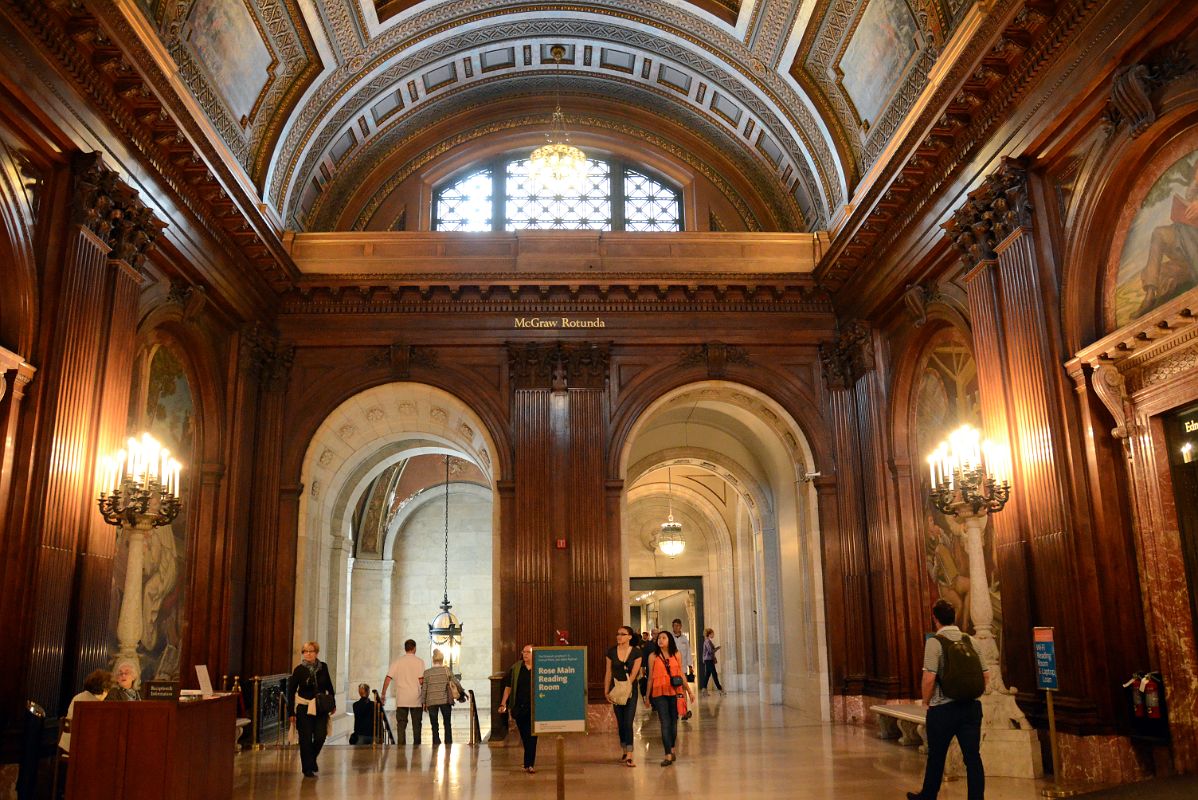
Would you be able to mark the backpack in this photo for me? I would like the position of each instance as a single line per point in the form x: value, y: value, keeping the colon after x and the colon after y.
x: 961, y: 678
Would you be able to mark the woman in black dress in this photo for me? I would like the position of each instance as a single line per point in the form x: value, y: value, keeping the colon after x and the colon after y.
x: 623, y: 664
x: 517, y: 696
x: 310, y: 682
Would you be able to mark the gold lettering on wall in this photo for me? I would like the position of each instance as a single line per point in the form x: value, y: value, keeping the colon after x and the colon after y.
x: 557, y: 322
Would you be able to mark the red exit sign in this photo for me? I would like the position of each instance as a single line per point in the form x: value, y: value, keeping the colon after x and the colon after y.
x: 561, y: 544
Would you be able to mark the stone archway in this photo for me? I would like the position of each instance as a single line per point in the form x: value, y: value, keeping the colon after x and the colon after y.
x: 362, y: 437
x: 775, y: 614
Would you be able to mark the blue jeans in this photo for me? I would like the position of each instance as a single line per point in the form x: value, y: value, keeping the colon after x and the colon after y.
x: 963, y: 719
x: 625, y: 715
x: 666, y: 707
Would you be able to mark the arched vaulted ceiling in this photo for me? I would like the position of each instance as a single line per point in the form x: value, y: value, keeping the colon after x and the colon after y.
x: 796, y: 97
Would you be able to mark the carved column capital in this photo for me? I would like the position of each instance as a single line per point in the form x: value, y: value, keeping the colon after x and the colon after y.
x: 845, y: 360
x: 993, y: 211
x: 558, y: 366
x: 265, y: 357
x: 95, y: 204
x: 134, y: 232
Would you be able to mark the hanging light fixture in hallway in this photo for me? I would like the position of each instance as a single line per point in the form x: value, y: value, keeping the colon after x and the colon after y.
x: 669, y: 540
x: 558, y: 166
x: 445, y: 631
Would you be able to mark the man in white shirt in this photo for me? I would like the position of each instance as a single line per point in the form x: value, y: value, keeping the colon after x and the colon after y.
x: 684, y: 653
x: 408, y: 673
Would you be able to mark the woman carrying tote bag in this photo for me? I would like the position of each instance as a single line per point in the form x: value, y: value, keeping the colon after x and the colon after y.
x: 623, y: 667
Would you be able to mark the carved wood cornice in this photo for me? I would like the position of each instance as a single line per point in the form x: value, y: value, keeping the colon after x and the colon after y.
x: 558, y: 294
x: 558, y: 366
x: 1153, y: 353
x: 963, y: 113
x: 139, y: 104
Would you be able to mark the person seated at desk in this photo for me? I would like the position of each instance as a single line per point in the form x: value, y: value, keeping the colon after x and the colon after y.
x: 123, y: 689
x: 363, y: 717
x: 95, y: 687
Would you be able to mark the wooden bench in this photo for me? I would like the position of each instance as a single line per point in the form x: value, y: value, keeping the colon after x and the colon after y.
x: 905, y: 722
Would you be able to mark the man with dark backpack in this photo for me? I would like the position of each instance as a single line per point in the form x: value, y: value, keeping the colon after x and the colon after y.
x: 954, y: 677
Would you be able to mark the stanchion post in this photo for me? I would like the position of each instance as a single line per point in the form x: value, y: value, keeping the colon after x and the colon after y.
x: 561, y: 767
x: 282, y: 720
x: 256, y: 714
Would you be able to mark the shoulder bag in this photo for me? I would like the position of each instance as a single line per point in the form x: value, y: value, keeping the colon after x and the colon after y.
x: 675, y: 680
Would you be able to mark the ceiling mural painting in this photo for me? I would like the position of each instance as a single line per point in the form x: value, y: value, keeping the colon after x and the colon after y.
x: 865, y: 62
x: 407, y: 62
x: 244, y: 61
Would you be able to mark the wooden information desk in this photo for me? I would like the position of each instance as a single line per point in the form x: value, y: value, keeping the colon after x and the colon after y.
x: 152, y: 750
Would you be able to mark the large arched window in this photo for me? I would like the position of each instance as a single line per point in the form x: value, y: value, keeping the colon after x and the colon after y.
x: 502, y: 197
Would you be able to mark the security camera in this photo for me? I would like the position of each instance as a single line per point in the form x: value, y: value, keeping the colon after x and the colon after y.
x: 810, y: 476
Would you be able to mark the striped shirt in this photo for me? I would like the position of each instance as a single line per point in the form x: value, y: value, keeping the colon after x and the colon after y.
x: 435, y: 689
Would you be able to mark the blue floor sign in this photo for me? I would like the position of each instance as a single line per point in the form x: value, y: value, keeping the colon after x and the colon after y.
x: 559, y: 690
x: 1046, y: 658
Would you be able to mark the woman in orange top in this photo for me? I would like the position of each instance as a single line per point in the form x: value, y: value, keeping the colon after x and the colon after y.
x: 666, y: 683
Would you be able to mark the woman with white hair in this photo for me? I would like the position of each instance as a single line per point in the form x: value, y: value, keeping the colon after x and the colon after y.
x: 125, y: 688
x: 437, y: 696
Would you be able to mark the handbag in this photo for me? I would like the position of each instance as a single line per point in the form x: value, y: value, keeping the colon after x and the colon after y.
x: 675, y: 680
x: 456, y: 692
x: 326, y: 703
x: 620, y: 692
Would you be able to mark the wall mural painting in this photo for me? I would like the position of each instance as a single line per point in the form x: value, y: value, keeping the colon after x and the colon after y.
x: 1159, y: 259
x: 162, y: 404
x: 226, y: 42
x: 878, y: 56
x: 947, y: 397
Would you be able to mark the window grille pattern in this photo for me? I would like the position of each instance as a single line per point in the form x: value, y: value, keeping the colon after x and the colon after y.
x: 648, y: 205
x: 530, y: 207
x: 465, y: 204
x: 470, y: 204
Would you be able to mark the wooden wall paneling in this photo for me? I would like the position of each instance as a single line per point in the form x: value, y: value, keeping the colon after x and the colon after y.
x: 205, y: 639
x: 506, y: 590
x: 528, y: 600
x: 594, y: 590
x: 1039, y: 437
x: 62, y: 493
x: 270, y: 598
x: 889, y: 647
x: 115, y: 380
x: 851, y: 580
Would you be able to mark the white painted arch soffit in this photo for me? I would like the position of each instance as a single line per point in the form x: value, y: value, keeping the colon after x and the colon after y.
x: 433, y: 52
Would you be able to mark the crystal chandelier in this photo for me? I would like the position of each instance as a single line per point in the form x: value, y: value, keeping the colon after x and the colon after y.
x: 445, y: 631
x: 558, y: 167
x: 669, y: 540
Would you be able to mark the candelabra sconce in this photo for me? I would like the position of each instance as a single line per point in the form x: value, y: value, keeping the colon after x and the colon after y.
x: 969, y: 481
x: 139, y: 491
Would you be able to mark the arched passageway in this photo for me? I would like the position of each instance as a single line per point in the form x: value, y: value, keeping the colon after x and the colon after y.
x: 371, y: 553
x: 733, y: 467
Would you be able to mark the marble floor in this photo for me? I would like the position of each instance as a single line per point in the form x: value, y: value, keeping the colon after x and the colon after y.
x: 732, y: 747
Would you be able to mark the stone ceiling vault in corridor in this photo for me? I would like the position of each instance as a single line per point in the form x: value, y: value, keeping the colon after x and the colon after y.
x: 311, y: 96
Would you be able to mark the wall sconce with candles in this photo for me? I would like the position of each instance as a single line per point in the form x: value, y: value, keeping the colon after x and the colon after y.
x: 969, y: 482
x: 139, y: 491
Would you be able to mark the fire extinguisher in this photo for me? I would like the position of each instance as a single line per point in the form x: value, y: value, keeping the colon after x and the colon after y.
x: 1150, y: 686
x: 1137, y: 695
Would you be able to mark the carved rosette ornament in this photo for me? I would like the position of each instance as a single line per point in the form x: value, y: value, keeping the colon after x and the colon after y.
x: 715, y: 355
x: 558, y: 366
x: 401, y: 357
x: 993, y: 211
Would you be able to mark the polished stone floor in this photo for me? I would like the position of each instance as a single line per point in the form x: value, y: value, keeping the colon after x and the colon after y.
x: 732, y: 748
